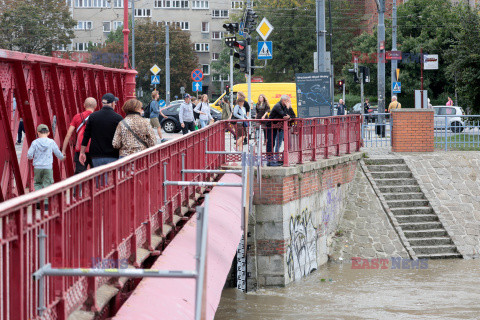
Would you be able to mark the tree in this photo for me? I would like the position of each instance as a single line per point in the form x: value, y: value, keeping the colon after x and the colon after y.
x: 463, y: 57
x: 422, y: 24
x: 35, y: 26
x: 150, y: 50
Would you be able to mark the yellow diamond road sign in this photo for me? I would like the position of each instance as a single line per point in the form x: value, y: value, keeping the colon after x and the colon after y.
x: 155, y: 70
x: 264, y: 29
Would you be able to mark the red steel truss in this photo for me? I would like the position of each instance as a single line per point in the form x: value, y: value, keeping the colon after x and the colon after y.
x: 44, y: 87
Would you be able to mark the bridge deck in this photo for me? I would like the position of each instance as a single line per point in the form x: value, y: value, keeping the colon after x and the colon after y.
x: 165, y: 299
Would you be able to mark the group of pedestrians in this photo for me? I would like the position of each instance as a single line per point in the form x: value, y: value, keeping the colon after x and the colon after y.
x: 188, y: 110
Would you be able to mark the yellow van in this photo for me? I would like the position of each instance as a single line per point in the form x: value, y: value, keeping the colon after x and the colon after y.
x: 273, y: 92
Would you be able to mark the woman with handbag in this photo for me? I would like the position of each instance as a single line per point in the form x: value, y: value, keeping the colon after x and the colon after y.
x: 239, y: 113
x: 134, y: 133
x: 262, y: 109
x: 203, y: 108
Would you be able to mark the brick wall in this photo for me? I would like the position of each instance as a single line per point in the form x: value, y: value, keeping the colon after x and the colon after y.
x: 412, y: 130
x: 283, y: 189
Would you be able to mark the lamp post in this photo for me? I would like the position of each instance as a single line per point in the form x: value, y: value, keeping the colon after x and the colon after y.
x: 130, y: 78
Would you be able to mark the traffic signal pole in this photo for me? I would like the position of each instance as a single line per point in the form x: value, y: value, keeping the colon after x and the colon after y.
x: 231, y: 77
x: 249, y: 62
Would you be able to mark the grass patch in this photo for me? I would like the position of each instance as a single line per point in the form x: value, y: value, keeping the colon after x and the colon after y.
x: 461, y: 142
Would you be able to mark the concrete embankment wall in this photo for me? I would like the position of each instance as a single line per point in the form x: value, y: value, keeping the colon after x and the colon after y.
x: 295, y: 218
x: 451, y: 182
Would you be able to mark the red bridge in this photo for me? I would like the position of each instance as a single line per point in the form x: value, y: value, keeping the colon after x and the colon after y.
x: 133, y: 217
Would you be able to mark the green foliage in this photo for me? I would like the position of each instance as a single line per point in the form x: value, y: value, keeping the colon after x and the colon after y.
x: 150, y: 50
x: 36, y: 26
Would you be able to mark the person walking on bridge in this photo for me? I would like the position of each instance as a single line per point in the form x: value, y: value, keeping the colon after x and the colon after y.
x: 186, y: 116
x: 78, y: 125
x: 101, y: 127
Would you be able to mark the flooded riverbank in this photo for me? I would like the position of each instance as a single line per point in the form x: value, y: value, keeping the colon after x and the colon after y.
x: 447, y: 289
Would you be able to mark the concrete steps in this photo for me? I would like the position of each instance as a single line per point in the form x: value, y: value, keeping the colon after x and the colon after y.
x: 418, y: 221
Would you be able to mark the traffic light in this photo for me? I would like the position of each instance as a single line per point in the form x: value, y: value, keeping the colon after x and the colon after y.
x: 229, y: 41
x: 241, y: 55
x: 340, y: 84
x: 231, y: 27
x: 227, y: 89
x: 250, y: 20
x: 355, y: 77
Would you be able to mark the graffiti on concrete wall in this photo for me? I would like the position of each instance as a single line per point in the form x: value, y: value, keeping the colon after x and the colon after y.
x: 302, y: 251
x: 331, y: 206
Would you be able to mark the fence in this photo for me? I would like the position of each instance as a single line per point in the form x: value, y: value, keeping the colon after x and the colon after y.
x: 107, y: 213
x: 305, y: 139
x: 87, y: 219
x: 377, y: 130
x: 454, y: 132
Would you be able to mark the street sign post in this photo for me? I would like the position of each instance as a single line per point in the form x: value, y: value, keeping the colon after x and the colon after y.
x: 264, y: 29
x: 197, y: 75
x: 196, y: 86
x: 430, y: 61
x: 397, y: 87
x: 264, y: 50
x: 155, y: 69
x: 155, y: 79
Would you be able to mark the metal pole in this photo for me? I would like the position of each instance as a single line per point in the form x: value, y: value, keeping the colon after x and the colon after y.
x: 133, y: 34
x: 167, y: 64
x: 456, y: 96
x: 125, y: 34
x: 164, y: 183
x: 183, y: 166
x: 231, y: 78
x: 381, y: 57
x: 321, y: 46
x: 249, y: 79
x: 113, y: 272
x: 332, y: 70
x: 421, y: 77
x: 361, y: 90
x: 202, y: 220
x: 343, y: 92
x: 41, y: 263
x: 394, y: 42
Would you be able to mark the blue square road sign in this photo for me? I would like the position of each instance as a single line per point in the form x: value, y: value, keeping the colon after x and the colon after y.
x: 264, y: 50
x: 197, y: 86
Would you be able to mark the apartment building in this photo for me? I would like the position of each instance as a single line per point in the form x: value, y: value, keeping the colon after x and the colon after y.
x: 203, y: 19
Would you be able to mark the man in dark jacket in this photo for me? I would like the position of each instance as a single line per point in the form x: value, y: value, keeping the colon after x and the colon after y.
x: 279, y: 111
x: 341, y: 108
x: 101, y: 127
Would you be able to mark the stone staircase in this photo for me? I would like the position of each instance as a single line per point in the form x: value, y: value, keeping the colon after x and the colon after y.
x: 399, y: 191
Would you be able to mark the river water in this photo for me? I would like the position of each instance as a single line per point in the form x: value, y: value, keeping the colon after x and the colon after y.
x: 447, y: 289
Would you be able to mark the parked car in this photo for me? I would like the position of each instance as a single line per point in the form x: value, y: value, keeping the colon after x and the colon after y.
x: 171, y: 124
x: 451, y: 114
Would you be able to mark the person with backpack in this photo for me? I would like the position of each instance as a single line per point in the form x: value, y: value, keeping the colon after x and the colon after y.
x: 152, y: 111
x: 78, y: 125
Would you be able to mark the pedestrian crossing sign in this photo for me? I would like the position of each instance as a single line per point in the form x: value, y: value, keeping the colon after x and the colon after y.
x: 264, y: 50
x: 397, y: 87
x: 156, y: 79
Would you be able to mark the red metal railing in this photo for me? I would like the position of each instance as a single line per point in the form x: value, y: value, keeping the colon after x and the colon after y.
x: 306, y: 139
x: 104, y: 213
x: 44, y: 87
x: 111, y: 211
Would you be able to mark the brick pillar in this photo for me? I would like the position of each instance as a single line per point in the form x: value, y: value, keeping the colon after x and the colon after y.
x: 412, y: 130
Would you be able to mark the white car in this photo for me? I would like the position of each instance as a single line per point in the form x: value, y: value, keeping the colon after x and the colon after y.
x: 453, y: 115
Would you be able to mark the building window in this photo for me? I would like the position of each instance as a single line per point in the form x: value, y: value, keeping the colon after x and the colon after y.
x: 220, y: 13
x: 219, y: 77
x: 107, y: 26
x: 100, y: 4
x: 81, y: 46
x: 83, y: 3
x: 117, y: 24
x: 237, y: 5
x: 201, y: 47
x: 205, y: 27
x: 199, y: 4
x: 184, y: 25
x: 176, y: 4
x: 142, y: 13
x: 119, y: 3
x: 84, y: 25
x: 215, y: 56
x: 217, y: 35
x: 69, y: 3
x: 206, y: 69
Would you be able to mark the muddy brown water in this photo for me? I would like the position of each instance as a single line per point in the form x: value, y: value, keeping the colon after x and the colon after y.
x: 448, y: 289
